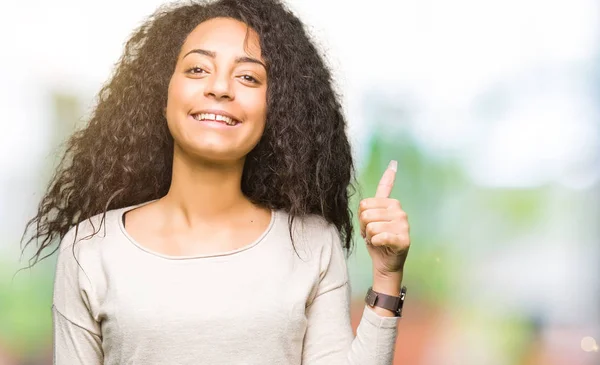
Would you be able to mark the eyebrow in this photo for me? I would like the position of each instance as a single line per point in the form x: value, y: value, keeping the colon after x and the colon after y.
x: 211, y: 54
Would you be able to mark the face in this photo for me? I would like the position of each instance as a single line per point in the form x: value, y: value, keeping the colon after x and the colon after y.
x: 220, y: 79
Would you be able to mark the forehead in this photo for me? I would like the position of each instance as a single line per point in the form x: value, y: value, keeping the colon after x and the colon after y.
x: 224, y: 35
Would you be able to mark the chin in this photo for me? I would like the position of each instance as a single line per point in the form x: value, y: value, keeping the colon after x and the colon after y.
x: 212, y: 153
x: 214, y: 145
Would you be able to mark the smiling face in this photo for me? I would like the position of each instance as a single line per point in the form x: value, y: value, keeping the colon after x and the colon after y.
x: 217, y: 98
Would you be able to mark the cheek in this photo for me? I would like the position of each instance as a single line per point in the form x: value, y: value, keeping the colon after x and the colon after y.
x: 179, y: 94
x: 172, y: 97
x: 258, y: 107
x: 175, y: 92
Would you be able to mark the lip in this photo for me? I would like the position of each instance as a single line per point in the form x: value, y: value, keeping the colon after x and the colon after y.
x: 216, y: 111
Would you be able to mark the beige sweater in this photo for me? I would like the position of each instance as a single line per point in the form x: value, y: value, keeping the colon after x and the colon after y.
x: 261, y: 304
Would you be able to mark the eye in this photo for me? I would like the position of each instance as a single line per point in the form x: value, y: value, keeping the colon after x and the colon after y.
x: 195, y: 70
x: 249, y: 79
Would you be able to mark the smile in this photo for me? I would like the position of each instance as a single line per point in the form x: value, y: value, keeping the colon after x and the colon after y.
x: 209, y: 117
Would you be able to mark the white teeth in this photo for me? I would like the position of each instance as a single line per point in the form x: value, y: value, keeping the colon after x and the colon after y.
x: 224, y: 118
x: 208, y: 116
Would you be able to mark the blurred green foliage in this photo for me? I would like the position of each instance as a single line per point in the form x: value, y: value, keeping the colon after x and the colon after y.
x: 421, y: 185
x: 25, y: 306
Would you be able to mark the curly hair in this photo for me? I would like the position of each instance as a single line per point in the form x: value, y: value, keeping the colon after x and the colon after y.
x: 302, y: 163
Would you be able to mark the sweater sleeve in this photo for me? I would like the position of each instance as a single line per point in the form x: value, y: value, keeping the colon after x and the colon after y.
x: 329, y: 339
x: 77, y: 335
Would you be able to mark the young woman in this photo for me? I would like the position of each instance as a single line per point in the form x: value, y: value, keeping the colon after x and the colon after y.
x: 203, y: 213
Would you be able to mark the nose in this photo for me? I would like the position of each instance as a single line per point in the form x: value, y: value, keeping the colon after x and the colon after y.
x: 219, y: 86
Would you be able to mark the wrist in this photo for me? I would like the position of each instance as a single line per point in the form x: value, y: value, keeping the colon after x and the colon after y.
x: 386, y: 305
x: 388, y: 283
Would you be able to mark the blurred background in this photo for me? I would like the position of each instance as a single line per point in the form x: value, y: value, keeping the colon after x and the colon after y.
x: 491, y: 108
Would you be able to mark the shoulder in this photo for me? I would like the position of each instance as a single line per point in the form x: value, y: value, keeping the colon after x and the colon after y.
x: 84, y: 250
x: 313, y: 233
x: 92, y: 229
x: 320, y: 247
x: 80, y: 277
x: 87, y: 239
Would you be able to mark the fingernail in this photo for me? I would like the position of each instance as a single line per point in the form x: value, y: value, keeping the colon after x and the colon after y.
x: 393, y: 165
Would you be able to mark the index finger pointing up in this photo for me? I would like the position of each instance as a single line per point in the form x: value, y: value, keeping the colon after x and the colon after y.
x: 384, y: 189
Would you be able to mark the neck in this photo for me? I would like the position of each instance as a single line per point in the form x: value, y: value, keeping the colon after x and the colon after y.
x: 205, y: 191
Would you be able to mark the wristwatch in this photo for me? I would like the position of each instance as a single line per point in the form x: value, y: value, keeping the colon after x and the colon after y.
x: 389, y: 302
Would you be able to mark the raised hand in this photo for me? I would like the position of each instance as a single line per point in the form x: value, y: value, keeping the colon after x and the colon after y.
x: 384, y: 226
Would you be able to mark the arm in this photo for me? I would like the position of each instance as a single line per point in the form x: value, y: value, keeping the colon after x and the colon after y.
x: 74, y: 344
x: 329, y: 339
x: 77, y: 335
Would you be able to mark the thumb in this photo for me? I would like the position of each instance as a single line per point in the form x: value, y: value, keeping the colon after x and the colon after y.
x: 384, y: 189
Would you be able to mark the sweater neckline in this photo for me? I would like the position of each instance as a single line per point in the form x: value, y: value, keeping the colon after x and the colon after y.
x: 131, y: 240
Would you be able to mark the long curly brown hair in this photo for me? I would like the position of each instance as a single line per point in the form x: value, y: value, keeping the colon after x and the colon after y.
x: 302, y: 164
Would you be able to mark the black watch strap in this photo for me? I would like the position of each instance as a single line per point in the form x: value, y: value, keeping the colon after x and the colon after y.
x: 389, y: 302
